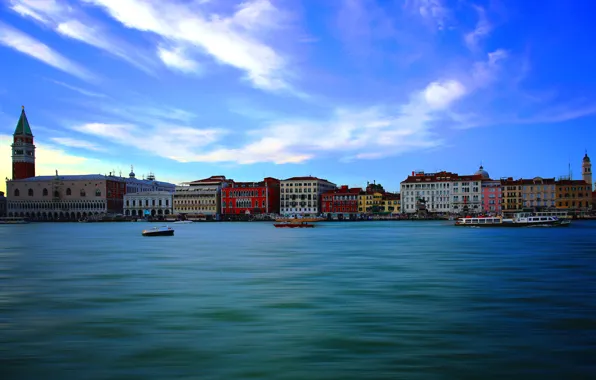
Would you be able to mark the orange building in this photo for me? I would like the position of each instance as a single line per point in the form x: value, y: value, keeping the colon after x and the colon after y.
x: 573, y: 195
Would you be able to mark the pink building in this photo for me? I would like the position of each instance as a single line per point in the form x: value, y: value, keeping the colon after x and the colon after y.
x: 491, y: 196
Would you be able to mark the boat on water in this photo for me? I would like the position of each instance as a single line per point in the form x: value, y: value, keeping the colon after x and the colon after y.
x: 13, y: 220
x: 522, y: 219
x: 159, y: 231
x: 305, y: 219
x: 294, y: 225
x: 183, y: 222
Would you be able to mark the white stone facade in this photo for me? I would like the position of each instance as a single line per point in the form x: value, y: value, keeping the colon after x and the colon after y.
x: 302, y: 195
x: 467, y: 195
x: 432, y: 188
x: 65, y: 197
x: 154, y: 203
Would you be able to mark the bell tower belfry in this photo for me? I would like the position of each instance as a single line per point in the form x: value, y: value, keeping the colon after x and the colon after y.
x: 23, y: 150
x: 587, y: 169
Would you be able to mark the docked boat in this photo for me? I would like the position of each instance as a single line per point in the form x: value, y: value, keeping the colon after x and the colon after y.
x: 183, y: 222
x: 13, y: 220
x: 159, y: 231
x: 293, y: 225
x: 522, y: 219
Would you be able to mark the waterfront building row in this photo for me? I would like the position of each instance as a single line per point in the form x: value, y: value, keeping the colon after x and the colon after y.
x: 446, y: 192
x: 80, y: 196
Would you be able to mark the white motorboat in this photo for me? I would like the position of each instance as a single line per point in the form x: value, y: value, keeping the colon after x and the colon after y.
x: 159, y: 231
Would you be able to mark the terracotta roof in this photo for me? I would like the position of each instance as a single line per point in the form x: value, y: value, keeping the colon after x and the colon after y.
x: 213, y: 178
x: 340, y: 191
x: 392, y: 196
x: 572, y: 182
x: 442, y: 177
x: 307, y: 178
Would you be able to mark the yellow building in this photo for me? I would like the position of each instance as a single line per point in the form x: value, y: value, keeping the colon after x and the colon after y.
x: 511, y: 195
x: 391, y: 203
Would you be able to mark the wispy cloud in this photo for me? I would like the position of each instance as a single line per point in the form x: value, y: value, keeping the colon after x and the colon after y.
x: 482, y: 29
x: 175, y: 59
x: 79, y: 90
x: 26, y: 44
x: 69, y: 21
x: 171, y: 141
x: 433, y: 11
x: 369, y: 133
x: 236, y: 40
x: 76, y: 143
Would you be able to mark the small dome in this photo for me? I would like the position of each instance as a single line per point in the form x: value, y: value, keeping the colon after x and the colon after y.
x: 483, y: 173
x: 132, y: 173
x: 586, y: 158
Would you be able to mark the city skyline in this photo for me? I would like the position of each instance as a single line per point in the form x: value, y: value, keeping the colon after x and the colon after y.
x: 352, y: 92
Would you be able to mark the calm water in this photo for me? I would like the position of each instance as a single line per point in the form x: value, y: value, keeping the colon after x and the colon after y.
x: 368, y: 300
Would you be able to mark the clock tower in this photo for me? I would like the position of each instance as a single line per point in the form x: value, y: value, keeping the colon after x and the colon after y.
x: 23, y: 150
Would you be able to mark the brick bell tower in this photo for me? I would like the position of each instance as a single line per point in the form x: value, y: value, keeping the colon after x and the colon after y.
x: 23, y: 150
x: 587, y: 169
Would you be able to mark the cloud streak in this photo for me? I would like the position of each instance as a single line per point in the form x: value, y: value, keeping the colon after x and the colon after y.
x: 70, y: 22
x: 234, y: 40
x: 19, y: 41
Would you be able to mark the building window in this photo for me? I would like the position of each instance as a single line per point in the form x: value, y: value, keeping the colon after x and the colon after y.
x: 30, y: 192
x: 83, y: 192
x: 45, y: 192
x: 68, y: 192
x: 17, y: 192
x: 97, y: 193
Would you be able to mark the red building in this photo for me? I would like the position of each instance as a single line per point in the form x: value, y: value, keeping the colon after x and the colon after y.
x: 23, y: 150
x: 251, y: 197
x: 342, y: 200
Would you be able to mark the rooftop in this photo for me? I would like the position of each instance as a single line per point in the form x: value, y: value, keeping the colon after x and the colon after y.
x: 344, y: 190
x: 88, y: 177
x: 307, y: 178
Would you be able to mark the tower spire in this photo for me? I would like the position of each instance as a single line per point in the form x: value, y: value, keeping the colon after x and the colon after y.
x: 23, y: 150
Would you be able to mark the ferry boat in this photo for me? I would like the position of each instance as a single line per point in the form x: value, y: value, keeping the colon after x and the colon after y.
x: 13, y: 220
x: 522, y: 219
x: 293, y: 225
x: 159, y: 231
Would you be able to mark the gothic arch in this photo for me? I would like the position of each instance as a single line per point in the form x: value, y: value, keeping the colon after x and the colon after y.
x: 30, y: 192
x: 45, y: 192
x: 82, y: 192
x: 17, y: 192
x: 68, y: 191
x: 97, y: 192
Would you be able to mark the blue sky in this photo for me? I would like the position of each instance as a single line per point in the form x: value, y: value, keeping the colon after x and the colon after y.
x: 349, y: 90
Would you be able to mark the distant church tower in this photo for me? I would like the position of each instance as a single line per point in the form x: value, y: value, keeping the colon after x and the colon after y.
x: 23, y: 150
x: 587, y: 169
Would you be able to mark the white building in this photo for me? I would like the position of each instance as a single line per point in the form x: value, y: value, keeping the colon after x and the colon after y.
x: 135, y: 185
x: 302, y: 195
x: 200, y: 198
x: 467, y: 194
x: 154, y: 203
x: 427, y: 191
